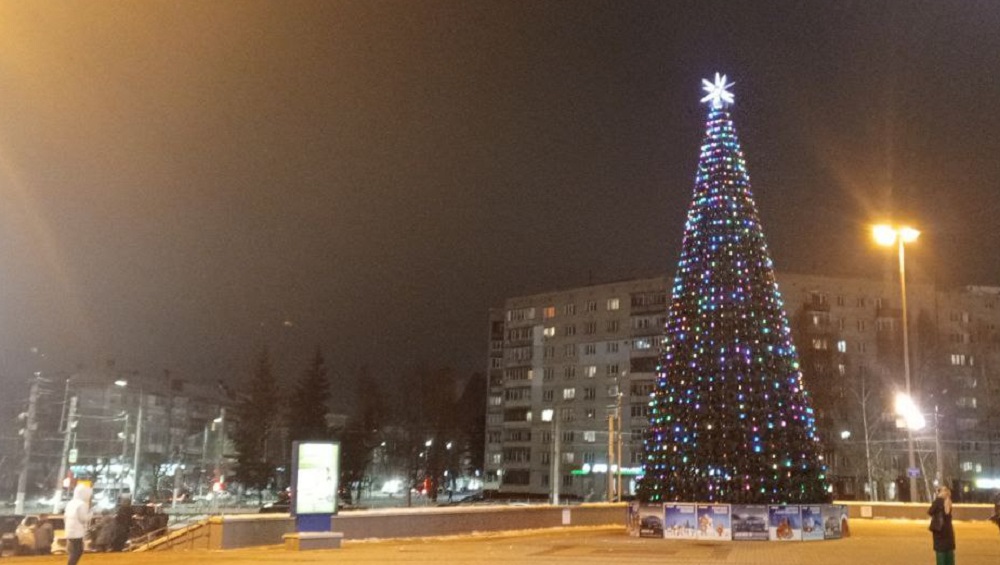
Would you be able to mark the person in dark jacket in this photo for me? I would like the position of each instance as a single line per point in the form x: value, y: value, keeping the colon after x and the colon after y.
x: 43, y: 536
x: 122, y: 526
x: 944, y: 537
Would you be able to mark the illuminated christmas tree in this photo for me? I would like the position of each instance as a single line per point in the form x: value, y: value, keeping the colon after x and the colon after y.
x: 730, y: 420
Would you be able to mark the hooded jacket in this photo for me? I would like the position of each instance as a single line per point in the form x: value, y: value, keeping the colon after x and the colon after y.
x: 77, y: 513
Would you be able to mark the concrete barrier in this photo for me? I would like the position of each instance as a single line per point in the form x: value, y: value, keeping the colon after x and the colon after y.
x: 247, y: 530
x: 913, y: 511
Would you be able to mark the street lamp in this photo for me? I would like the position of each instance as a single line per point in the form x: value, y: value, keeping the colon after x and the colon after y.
x: 887, y: 235
x: 138, y: 440
x: 549, y: 415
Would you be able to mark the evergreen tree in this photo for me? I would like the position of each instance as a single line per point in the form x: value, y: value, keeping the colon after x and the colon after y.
x: 730, y: 420
x: 364, y: 432
x: 256, y: 422
x: 308, y: 403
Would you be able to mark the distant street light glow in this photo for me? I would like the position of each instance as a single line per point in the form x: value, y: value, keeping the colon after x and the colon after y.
x: 906, y: 408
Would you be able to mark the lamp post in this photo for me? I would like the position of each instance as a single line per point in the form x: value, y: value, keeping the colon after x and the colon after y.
x: 901, y: 235
x: 550, y: 415
x: 69, y: 420
x: 915, y: 421
x: 138, y: 441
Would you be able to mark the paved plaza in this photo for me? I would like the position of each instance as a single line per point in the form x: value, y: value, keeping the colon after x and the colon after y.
x: 875, y: 542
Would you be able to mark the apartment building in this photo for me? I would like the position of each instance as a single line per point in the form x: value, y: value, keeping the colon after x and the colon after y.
x: 590, y: 354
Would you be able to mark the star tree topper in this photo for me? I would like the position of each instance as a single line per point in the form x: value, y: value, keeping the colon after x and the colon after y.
x: 717, y: 91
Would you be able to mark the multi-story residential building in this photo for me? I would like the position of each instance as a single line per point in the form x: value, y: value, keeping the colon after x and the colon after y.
x: 176, y: 426
x: 589, y: 353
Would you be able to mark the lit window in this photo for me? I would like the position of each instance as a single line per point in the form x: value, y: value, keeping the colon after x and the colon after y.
x: 569, y: 393
x: 613, y: 304
x: 590, y: 436
x: 549, y: 331
x: 842, y: 346
x: 590, y: 370
x: 549, y: 312
x: 643, y: 343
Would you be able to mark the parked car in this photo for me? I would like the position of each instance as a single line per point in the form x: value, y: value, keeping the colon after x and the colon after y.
x: 8, y: 534
x: 25, y: 534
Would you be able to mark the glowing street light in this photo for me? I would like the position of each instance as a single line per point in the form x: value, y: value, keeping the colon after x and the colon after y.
x: 887, y: 235
x: 906, y: 408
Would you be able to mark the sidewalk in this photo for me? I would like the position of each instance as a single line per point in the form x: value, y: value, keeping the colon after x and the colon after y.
x: 880, y: 542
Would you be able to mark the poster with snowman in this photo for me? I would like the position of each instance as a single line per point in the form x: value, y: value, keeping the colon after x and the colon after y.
x: 714, y: 522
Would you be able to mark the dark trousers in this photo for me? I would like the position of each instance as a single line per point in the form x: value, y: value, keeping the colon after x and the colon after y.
x: 74, y: 548
x: 945, y: 557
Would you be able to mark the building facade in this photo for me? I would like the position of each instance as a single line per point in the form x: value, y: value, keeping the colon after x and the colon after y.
x: 130, y: 433
x: 588, y: 357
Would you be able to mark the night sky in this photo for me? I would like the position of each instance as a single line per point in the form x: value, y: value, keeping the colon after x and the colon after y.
x: 184, y: 182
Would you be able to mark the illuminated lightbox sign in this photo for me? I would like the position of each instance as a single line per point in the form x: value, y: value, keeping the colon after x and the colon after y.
x: 317, y: 468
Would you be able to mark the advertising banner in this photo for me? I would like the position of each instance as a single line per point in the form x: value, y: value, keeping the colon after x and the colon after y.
x: 714, y: 522
x: 812, y: 522
x: 784, y: 523
x: 651, y: 520
x: 749, y: 522
x: 680, y: 522
x: 834, y: 521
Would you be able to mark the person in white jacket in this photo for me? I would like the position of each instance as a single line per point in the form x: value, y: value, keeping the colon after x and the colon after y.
x: 77, y: 519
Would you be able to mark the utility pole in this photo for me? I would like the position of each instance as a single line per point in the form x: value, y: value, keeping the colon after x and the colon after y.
x: 70, y: 423
x: 556, y: 450
x: 618, y: 459
x: 138, y: 450
x: 611, y: 457
x: 29, y: 429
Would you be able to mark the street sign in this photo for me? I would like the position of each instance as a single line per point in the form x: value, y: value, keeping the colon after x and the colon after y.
x: 913, y: 472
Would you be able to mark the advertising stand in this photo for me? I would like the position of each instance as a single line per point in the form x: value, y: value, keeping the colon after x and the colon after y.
x: 315, y: 478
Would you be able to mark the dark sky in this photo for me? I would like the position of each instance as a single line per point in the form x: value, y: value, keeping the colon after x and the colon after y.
x: 183, y: 182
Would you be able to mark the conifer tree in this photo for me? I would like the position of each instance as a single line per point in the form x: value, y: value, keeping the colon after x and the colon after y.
x: 308, y: 403
x: 256, y: 415
x: 730, y: 419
